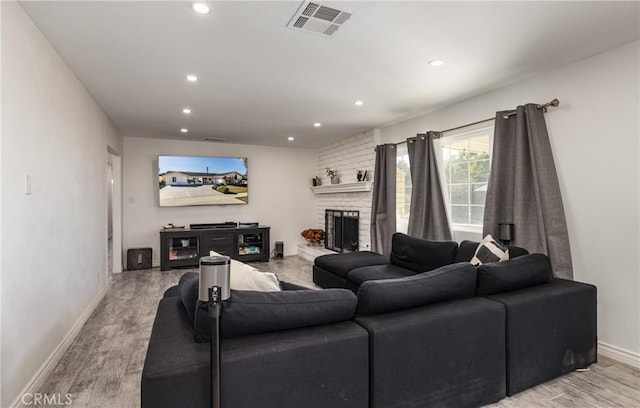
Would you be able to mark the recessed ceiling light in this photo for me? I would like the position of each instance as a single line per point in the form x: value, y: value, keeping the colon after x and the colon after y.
x: 290, y: 138
x: 192, y: 78
x: 436, y: 63
x: 200, y: 8
x: 317, y: 124
x: 186, y: 111
x: 184, y: 130
x: 358, y: 103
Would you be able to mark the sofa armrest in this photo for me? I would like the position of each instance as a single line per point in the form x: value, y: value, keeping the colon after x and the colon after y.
x: 176, y: 370
x: 173, y: 291
x: 551, y: 329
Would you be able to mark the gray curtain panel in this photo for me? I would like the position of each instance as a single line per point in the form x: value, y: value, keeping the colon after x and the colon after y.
x: 428, y: 213
x: 523, y: 188
x: 383, y: 206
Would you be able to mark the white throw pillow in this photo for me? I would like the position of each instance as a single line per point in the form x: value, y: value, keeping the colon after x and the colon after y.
x: 245, y: 277
x: 489, y: 251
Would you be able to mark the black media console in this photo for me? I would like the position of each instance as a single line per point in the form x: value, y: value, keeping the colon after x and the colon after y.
x: 185, y: 247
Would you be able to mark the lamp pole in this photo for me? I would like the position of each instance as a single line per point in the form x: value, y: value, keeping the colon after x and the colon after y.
x: 214, y: 317
x: 214, y: 288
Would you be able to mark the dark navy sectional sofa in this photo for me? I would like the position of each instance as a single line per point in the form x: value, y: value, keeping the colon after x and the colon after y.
x: 445, y: 334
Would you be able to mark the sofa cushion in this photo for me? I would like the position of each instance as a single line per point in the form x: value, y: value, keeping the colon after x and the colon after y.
x: 516, y: 251
x: 249, y: 312
x: 489, y: 251
x: 188, y: 293
x: 421, y: 255
x: 518, y: 273
x: 467, y: 249
x: 457, y: 281
x: 375, y: 272
x: 341, y: 264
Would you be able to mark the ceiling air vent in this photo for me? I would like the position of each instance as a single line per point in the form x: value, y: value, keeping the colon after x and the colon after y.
x: 214, y: 139
x: 318, y: 19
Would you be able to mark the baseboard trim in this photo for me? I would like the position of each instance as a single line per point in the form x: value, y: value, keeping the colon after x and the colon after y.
x: 54, y: 358
x: 619, y: 354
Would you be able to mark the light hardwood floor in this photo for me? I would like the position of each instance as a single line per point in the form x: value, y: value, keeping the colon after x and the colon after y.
x: 102, y: 368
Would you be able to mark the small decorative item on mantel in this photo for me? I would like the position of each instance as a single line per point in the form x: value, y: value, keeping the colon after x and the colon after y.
x: 313, y: 236
x: 361, y: 175
x: 316, y: 181
x: 333, y: 175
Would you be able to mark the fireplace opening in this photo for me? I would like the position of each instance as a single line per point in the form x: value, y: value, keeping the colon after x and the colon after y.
x: 341, y: 230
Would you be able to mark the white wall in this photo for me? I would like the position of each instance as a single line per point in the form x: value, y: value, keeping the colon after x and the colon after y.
x: 347, y: 156
x: 279, y: 191
x: 594, y: 136
x: 53, y: 254
x: 1, y: 172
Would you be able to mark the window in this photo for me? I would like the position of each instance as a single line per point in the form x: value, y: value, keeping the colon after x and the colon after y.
x: 466, y: 165
x: 403, y: 189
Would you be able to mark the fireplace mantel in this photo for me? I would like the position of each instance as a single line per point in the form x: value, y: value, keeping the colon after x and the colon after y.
x: 343, y: 188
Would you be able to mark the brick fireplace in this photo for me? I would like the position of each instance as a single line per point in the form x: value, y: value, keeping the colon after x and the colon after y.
x: 348, y: 155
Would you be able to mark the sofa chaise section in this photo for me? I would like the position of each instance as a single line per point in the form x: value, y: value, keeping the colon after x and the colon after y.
x: 330, y: 271
x: 409, y: 256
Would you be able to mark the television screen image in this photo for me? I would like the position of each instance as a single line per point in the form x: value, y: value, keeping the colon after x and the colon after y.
x: 191, y: 180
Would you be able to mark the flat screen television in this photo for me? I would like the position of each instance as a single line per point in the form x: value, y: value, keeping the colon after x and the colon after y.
x: 194, y: 180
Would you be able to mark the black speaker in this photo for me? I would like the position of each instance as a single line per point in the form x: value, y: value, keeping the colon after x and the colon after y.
x: 138, y: 258
x: 279, y: 252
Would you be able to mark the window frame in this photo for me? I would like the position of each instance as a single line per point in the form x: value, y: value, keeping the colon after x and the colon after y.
x: 452, y: 137
x: 402, y: 224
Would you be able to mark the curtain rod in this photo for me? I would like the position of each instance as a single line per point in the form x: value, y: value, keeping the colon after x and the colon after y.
x: 554, y: 102
x: 544, y: 107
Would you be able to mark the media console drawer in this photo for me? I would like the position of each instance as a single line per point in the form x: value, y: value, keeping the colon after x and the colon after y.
x: 220, y: 241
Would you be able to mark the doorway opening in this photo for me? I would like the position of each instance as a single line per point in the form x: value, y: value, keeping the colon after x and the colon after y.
x: 114, y: 212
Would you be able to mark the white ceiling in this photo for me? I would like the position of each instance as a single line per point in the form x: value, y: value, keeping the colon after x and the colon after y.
x: 261, y: 82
